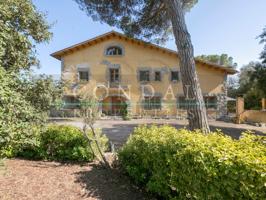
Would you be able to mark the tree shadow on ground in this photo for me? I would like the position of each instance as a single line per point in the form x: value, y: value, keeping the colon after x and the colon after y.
x: 235, y: 133
x: 108, y: 184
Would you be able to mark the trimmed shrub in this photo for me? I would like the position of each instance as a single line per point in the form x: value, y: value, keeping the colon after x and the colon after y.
x: 65, y: 143
x: 181, y: 164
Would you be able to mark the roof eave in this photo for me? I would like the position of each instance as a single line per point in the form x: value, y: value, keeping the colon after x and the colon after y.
x: 58, y: 54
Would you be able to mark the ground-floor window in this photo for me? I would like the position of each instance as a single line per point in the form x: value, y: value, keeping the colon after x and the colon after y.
x: 71, y: 102
x: 210, y: 102
x: 152, y: 103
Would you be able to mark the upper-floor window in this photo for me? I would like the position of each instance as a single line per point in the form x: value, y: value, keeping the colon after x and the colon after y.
x: 114, y: 51
x: 174, y: 76
x: 83, y: 75
x: 144, y: 75
x: 157, y: 76
x: 114, y: 75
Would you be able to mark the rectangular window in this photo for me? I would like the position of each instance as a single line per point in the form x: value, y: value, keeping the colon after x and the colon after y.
x: 144, y: 75
x: 83, y: 76
x: 210, y: 102
x: 114, y: 75
x: 174, y: 76
x: 152, y: 103
x: 157, y: 76
x: 71, y: 102
x: 182, y: 103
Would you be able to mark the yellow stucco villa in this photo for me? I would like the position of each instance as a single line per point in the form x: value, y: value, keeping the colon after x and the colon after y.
x: 117, y: 69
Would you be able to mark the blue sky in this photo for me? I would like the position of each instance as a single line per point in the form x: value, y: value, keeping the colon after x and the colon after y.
x: 216, y: 27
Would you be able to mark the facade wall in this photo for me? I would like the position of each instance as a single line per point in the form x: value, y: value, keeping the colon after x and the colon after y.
x: 135, y: 57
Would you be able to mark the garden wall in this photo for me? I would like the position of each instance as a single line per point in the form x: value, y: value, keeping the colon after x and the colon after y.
x: 256, y: 116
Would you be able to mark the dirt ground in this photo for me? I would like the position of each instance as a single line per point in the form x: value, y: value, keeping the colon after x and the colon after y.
x: 118, y: 131
x: 37, y: 180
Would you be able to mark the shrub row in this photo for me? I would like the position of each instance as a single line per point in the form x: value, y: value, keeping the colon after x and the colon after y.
x: 63, y: 143
x: 181, y: 164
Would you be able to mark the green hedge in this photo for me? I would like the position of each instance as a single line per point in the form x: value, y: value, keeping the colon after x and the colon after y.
x: 64, y: 143
x: 180, y: 164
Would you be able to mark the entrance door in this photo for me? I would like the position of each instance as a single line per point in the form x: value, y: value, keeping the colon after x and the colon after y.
x: 117, y: 105
x: 113, y: 105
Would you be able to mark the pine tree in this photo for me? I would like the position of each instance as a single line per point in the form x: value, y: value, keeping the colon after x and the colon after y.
x: 155, y: 20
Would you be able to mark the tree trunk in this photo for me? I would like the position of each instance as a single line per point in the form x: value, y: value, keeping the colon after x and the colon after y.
x: 197, y: 115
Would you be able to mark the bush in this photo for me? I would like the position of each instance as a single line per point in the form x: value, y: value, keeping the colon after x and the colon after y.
x: 63, y: 143
x: 181, y: 164
x: 67, y: 143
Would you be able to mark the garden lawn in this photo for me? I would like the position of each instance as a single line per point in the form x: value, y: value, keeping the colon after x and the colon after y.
x: 38, y: 180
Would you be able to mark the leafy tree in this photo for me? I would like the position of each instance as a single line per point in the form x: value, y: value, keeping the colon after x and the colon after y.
x: 232, y: 85
x: 152, y: 19
x: 19, y: 122
x: 253, y: 99
x: 223, y: 59
x: 258, y: 77
x: 41, y: 91
x: 21, y: 25
x: 263, y: 40
x: 251, y: 85
x: 252, y: 80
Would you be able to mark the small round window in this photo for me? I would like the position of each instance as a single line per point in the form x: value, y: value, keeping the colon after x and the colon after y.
x: 114, y: 51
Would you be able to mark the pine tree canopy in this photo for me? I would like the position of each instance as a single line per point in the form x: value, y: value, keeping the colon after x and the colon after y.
x: 263, y: 41
x: 143, y: 19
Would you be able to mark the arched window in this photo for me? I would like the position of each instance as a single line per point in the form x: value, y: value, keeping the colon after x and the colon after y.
x: 114, y: 51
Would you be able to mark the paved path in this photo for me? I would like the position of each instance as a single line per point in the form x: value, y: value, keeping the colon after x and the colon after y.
x: 118, y: 130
